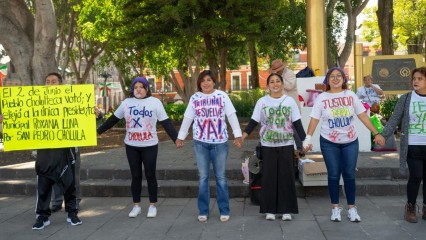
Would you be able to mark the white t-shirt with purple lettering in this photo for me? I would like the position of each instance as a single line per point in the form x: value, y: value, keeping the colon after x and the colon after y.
x: 337, y: 111
x: 209, y: 112
x: 141, y: 117
x: 276, y: 116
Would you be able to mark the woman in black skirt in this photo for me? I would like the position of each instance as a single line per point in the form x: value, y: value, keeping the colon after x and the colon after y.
x: 277, y: 113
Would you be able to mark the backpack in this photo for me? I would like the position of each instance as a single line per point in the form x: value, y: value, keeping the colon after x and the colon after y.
x: 306, y: 72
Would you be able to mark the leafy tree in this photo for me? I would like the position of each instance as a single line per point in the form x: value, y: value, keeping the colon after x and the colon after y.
x: 284, y: 32
x: 99, y: 21
x: 369, y: 30
x: 410, y: 24
x: 168, y: 40
x: 408, y: 32
x: 352, y: 8
x: 181, y: 36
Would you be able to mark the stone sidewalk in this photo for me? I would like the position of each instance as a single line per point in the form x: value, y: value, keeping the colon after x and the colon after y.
x: 106, y: 218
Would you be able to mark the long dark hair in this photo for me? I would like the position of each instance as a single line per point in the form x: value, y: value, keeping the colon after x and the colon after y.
x: 201, y: 77
x: 274, y: 74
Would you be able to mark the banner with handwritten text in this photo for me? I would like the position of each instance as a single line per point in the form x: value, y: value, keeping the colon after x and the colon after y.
x: 38, y: 117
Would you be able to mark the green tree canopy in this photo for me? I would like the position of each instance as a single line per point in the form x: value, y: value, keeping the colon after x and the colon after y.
x: 409, y: 26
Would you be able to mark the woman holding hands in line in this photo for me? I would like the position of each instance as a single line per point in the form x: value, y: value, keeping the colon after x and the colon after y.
x: 141, y: 112
x: 339, y: 145
x: 277, y: 113
x: 410, y: 112
x: 207, y: 109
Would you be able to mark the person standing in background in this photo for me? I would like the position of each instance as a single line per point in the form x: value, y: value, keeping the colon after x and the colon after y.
x: 58, y: 194
x: 290, y: 80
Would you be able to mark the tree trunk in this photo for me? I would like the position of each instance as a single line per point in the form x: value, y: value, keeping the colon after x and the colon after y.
x: 184, y: 92
x: 30, y: 41
x: 121, y: 81
x: 189, y: 84
x: 98, y: 49
x: 18, y: 22
x: 349, y: 41
x: 211, y: 57
x: 253, y: 64
x: 68, y: 41
x: 222, y: 70
x: 18, y: 46
x: 331, y: 43
x: 350, y: 31
x: 43, y: 60
x: 415, y: 45
x: 385, y: 20
x: 181, y: 91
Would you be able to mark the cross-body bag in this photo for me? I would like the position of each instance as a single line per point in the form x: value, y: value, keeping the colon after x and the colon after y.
x: 258, y: 149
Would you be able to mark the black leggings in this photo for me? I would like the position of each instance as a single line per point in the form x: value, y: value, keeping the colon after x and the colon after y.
x: 416, y: 160
x: 148, y: 156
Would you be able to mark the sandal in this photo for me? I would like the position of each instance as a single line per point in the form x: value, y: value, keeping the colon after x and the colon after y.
x: 224, y: 218
x: 202, y: 218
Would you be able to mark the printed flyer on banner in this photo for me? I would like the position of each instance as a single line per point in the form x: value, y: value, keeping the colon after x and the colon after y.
x: 38, y: 117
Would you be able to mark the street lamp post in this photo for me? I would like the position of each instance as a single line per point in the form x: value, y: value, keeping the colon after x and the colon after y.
x: 105, y: 75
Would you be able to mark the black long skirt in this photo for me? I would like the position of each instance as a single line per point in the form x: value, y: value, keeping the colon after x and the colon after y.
x: 278, y: 195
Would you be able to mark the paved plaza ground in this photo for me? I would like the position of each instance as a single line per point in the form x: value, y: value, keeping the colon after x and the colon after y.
x: 106, y: 218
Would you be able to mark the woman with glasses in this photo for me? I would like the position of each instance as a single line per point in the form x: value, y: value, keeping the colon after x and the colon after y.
x: 277, y: 113
x: 337, y: 108
x: 208, y: 108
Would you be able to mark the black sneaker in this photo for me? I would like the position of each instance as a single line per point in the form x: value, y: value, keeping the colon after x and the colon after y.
x: 74, y: 220
x: 41, y: 223
x: 56, y: 208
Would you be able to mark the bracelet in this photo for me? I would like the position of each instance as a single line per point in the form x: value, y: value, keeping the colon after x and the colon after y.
x: 376, y: 134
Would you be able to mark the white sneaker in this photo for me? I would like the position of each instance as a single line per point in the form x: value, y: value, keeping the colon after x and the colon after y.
x: 152, y: 211
x: 286, y: 217
x: 335, y: 214
x: 270, y: 216
x: 135, y: 212
x: 353, y: 215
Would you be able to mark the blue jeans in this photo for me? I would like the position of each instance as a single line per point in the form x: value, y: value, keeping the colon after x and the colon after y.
x: 340, y: 159
x: 217, y: 154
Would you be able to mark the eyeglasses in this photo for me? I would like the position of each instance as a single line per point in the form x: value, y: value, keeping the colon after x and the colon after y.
x: 332, y: 77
